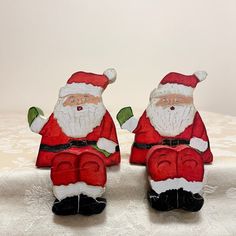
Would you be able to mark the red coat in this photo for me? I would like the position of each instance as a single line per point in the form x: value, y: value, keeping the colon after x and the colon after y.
x: 52, y: 135
x: 145, y: 133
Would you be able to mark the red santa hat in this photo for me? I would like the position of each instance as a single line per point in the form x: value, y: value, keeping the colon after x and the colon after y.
x: 176, y: 83
x: 88, y: 83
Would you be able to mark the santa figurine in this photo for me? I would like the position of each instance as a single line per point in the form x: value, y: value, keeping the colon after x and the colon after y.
x: 171, y: 140
x: 78, y: 141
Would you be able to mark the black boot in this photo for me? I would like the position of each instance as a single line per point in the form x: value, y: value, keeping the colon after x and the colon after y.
x: 89, y: 206
x: 165, y: 201
x: 67, y: 206
x: 189, y: 201
x: 83, y: 205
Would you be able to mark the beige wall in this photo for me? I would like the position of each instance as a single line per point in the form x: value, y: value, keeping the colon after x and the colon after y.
x: 42, y: 42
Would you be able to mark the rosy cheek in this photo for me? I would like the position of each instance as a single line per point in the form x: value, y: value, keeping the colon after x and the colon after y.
x: 65, y: 103
x: 68, y: 102
x: 159, y: 103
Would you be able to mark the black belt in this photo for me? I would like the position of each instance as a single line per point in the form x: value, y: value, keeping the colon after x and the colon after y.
x: 73, y: 143
x: 168, y: 142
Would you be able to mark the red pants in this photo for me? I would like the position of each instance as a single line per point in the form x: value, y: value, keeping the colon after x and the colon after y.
x: 86, y: 165
x: 180, y: 162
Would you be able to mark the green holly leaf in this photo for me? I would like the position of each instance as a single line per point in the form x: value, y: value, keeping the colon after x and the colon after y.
x: 104, y: 152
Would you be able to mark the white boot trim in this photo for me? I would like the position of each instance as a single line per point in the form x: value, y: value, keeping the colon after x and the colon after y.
x: 70, y: 190
x: 176, y: 183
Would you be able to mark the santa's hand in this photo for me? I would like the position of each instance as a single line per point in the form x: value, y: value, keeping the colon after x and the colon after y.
x: 104, y: 152
x: 33, y: 113
x: 126, y: 119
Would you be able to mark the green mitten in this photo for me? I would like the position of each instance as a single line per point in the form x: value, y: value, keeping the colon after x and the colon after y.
x: 107, y: 154
x: 124, y: 114
x: 34, y: 112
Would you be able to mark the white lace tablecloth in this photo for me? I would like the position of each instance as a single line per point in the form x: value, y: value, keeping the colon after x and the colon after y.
x: 26, y: 196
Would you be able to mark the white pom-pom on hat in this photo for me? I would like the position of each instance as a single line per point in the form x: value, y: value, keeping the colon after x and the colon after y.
x: 110, y: 74
x: 201, y: 75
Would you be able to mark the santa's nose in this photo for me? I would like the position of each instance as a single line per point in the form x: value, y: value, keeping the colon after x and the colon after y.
x: 172, y: 108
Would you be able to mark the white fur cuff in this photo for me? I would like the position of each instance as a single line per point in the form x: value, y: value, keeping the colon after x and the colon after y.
x: 70, y: 190
x: 38, y: 124
x: 198, y: 144
x: 106, y: 145
x: 130, y: 124
x: 176, y: 183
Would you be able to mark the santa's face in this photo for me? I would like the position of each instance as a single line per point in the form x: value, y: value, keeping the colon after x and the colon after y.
x: 79, y: 114
x: 171, y: 114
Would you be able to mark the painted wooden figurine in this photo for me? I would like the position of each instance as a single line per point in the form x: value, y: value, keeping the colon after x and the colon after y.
x: 171, y: 140
x: 78, y: 141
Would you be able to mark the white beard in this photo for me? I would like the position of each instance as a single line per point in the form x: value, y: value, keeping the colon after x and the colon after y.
x: 170, y: 122
x: 78, y: 124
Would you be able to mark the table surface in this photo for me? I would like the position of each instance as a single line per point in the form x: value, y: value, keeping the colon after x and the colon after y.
x: 26, y: 195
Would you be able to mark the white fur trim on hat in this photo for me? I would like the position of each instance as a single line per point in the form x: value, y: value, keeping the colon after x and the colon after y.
x: 70, y: 190
x: 153, y: 94
x: 174, y: 88
x: 106, y: 145
x: 130, y: 124
x: 176, y: 183
x: 38, y: 124
x: 199, y: 144
x: 110, y: 74
x: 201, y: 75
x: 81, y: 88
